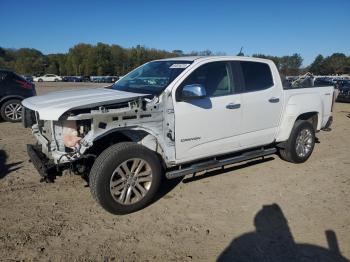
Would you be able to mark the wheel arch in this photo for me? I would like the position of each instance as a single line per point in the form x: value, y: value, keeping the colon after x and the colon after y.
x: 140, y: 136
x: 288, y: 123
x: 303, y: 106
x: 312, y: 117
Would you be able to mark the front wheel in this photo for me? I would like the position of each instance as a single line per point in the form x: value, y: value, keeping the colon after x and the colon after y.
x: 301, y: 142
x: 125, y: 178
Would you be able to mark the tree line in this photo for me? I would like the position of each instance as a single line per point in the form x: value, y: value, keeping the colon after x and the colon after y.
x: 82, y: 59
x: 103, y: 59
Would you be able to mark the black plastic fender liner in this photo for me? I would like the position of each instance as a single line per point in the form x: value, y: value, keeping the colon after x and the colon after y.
x: 28, y: 117
x: 327, y: 127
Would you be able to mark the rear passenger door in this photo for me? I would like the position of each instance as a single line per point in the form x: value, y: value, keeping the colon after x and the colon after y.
x: 261, y: 104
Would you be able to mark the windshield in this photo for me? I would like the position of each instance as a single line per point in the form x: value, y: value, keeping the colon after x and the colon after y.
x: 151, y: 78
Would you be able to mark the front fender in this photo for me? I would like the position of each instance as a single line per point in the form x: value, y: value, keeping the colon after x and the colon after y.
x: 140, y: 135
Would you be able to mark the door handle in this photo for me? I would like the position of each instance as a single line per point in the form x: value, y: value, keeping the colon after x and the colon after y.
x: 233, y: 106
x: 274, y: 100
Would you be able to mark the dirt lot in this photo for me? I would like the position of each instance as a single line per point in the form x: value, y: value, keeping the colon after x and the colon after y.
x: 268, y: 210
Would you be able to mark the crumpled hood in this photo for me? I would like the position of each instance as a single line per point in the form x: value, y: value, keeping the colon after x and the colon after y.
x: 52, y: 105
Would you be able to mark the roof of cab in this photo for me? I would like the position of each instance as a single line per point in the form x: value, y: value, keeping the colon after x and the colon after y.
x: 181, y: 58
x: 213, y: 58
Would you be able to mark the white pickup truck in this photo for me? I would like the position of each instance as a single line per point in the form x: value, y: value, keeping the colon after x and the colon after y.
x: 173, y: 117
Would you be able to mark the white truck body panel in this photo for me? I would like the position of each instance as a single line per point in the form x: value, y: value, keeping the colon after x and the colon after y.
x: 183, y: 131
x: 299, y: 101
x: 53, y: 105
x: 261, y: 118
x: 206, y: 127
x: 257, y: 122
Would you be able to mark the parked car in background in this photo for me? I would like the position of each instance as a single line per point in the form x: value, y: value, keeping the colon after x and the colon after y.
x: 97, y: 79
x: 324, y: 81
x: 85, y: 79
x: 13, y: 89
x: 344, y: 91
x: 48, y: 78
x: 291, y: 78
x: 29, y: 78
x: 110, y: 79
x: 71, y: 78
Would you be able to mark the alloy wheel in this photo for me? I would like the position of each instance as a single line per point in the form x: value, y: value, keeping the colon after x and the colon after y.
x: 304, y: 143
x: 13, y: 111
x: 131, y: 181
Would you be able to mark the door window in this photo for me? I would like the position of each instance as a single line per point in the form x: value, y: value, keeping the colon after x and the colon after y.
x: 215, y: 77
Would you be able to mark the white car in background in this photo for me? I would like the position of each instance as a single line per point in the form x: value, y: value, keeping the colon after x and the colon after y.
x: 48, y: 78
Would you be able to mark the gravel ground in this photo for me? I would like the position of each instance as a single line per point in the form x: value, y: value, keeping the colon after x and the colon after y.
x: 260, y: 210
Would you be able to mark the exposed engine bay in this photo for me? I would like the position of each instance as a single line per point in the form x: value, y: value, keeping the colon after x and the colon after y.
x: 78, y: 135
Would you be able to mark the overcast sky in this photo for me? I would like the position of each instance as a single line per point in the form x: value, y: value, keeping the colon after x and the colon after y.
x: 269, y: 27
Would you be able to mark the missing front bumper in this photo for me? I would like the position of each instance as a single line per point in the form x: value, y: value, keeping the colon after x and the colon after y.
x: 45, y: 167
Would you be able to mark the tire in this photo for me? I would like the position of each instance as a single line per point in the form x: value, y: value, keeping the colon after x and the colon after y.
x: 40, y: 80
x: 300, y: 144
x: 109, y: 170
x: 56, y: 80
x: 11, y: 110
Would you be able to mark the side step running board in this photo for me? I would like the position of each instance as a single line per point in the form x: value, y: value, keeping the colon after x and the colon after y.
x: 219, y: 163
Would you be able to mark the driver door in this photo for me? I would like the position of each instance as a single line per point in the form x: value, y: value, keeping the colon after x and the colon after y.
x: 210, y: 125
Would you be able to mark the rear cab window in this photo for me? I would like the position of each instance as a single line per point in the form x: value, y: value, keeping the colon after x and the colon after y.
x: 256, y: 76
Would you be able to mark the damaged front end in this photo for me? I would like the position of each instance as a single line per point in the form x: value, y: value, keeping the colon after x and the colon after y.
x: 68, y: 143
x: 58, y: 145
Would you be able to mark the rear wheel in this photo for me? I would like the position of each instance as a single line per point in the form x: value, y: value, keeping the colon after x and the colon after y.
x: 40, y: 80
x: 298, y: 148
x: 11, y: 110
x: 125, y: 178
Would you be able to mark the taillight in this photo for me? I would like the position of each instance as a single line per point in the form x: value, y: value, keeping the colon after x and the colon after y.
x: 25, y: 84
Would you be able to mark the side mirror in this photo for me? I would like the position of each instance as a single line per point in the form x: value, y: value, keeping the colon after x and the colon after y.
x: 193, y: 91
